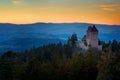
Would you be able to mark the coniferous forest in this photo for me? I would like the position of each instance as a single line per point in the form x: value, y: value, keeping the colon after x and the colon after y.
x: 62, y: 62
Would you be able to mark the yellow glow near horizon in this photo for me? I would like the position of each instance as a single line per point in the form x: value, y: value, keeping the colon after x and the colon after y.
x: 19, y: 12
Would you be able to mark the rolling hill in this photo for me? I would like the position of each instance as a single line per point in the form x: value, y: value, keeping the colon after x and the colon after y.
x: 25, y: 36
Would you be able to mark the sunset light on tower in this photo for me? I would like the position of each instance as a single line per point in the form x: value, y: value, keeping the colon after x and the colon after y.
x: 59, y: 39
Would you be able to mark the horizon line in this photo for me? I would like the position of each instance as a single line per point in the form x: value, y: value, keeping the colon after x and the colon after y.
x: 58, y: 23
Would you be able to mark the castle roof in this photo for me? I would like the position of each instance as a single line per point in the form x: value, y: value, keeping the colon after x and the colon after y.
x: 92, y: 29
x: 89, y: 28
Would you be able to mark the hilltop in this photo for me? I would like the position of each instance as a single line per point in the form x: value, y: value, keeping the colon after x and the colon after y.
x: 15, y: 36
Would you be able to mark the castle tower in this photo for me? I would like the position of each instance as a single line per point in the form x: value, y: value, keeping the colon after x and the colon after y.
x: 92, y: 37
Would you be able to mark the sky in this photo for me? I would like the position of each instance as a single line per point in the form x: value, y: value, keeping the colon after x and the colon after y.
x: 60, y: 11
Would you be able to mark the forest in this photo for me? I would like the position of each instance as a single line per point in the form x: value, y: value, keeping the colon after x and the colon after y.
x: 60, y: 62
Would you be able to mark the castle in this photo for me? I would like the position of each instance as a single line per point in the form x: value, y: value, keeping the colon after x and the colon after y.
x: 90, y: 39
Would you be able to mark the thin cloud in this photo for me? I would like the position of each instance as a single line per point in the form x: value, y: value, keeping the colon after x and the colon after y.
x: 109, y: 7
x: 18, y: 2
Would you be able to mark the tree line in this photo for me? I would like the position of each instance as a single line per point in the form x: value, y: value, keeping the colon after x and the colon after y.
x: 57, y: 62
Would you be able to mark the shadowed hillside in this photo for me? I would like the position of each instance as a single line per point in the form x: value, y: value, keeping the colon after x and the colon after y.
x: 14, y: 37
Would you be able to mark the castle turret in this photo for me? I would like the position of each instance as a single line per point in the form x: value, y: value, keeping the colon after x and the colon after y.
x: 92, y: 37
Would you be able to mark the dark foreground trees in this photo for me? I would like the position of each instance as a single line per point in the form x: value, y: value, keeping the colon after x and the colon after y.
x: 56, y: 62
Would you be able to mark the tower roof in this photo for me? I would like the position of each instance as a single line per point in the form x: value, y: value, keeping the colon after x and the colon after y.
x: 89, y: 29
x: 92, y: 29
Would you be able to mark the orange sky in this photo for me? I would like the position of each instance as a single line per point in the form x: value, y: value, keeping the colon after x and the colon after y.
x: 30, y: 11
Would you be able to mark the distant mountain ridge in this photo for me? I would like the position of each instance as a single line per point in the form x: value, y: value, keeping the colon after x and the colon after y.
x: 45, y: 33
